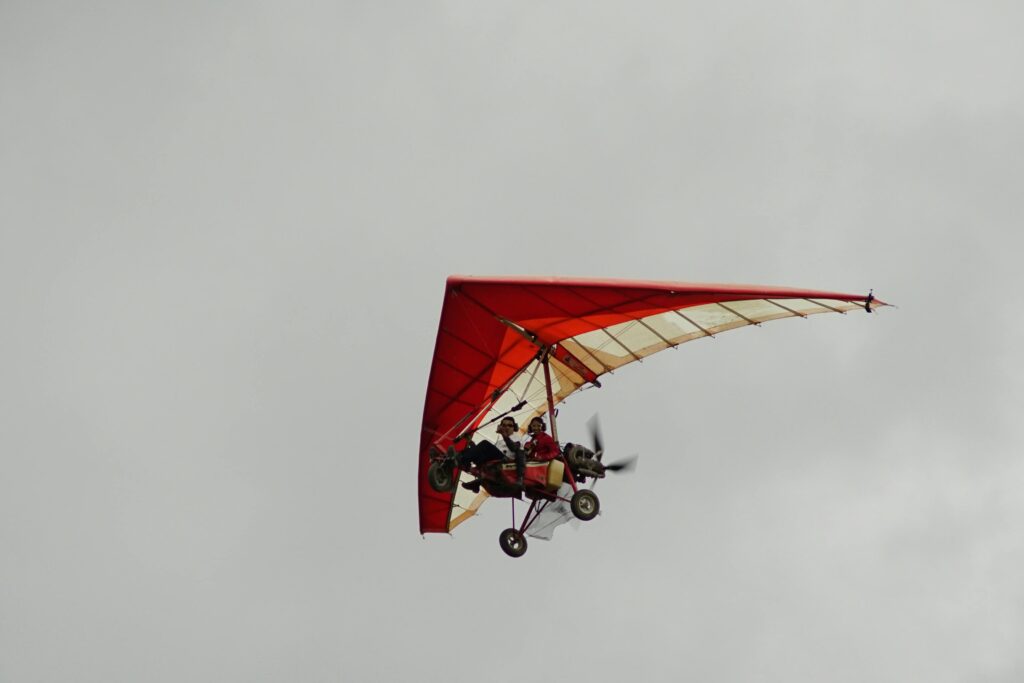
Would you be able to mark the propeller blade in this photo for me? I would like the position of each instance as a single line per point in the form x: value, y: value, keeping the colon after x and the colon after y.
x: 595, y: 435
x: 624, y: 465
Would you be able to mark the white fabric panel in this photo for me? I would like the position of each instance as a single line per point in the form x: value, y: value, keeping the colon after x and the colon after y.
x: 463, y: 497
x: 553, y: 515
x: 758, y: 310
x: 586, y: 356
x: 673, y: 326
x: 808, y: 307
x: 597, y: 340
x: 713, y: 318
x: 529, y: 383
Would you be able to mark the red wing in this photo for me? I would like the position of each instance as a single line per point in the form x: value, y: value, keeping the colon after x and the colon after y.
x: 491, y: 330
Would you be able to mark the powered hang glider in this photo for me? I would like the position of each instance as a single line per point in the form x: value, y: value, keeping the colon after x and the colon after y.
x: 515, y: 345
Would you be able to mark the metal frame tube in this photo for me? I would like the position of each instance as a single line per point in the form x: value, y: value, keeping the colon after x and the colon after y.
x: 551, y: 398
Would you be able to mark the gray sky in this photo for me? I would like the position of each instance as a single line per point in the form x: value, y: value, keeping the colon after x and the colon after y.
x: 224, y: 233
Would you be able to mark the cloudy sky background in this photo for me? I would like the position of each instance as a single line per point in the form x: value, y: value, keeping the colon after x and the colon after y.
x: 224, y: 234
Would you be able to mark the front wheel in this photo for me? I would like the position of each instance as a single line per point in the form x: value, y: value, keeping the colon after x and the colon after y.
x: 585, y: 504
x: 512, y: 542
x: 441, y: 476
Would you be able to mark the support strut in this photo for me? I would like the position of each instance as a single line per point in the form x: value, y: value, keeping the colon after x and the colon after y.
x: 551, y: 399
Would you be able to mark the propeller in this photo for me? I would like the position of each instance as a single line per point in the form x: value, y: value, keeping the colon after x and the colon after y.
x: 625, y: 465
x: 594, y: 425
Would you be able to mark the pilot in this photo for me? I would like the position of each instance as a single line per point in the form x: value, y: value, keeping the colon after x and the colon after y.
x: 511, y: 446
x: 540, y: 445
x: 507, y: 447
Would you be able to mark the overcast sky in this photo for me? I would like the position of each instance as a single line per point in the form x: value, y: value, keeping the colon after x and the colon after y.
x: 224, y: 234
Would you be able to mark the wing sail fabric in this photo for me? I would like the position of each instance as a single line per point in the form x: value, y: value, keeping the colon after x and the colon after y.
x: 486, y: 358
x: 610, y: 348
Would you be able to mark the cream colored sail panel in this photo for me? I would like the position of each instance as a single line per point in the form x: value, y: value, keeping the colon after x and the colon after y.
x: 758, y: 310
x: 461, y: 513
x: 809, y: 307
x: 610, y: 361
x: 585, y: 355
x: 843, y: 306
x: 624, y: 340
x: 597, y: 341
x: 463, y: 499
x: 713, y: 317
x: 529, y: 382
x: 801, y: 306
x: 673, y: 326
x: 641, y: 339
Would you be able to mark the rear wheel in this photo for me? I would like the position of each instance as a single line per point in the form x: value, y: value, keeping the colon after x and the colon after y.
x: 441, y: 476
x: 585, y: 504
x: 512, y: 542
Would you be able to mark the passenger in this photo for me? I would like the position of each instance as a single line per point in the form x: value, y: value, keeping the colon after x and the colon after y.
x: 540, y: 445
